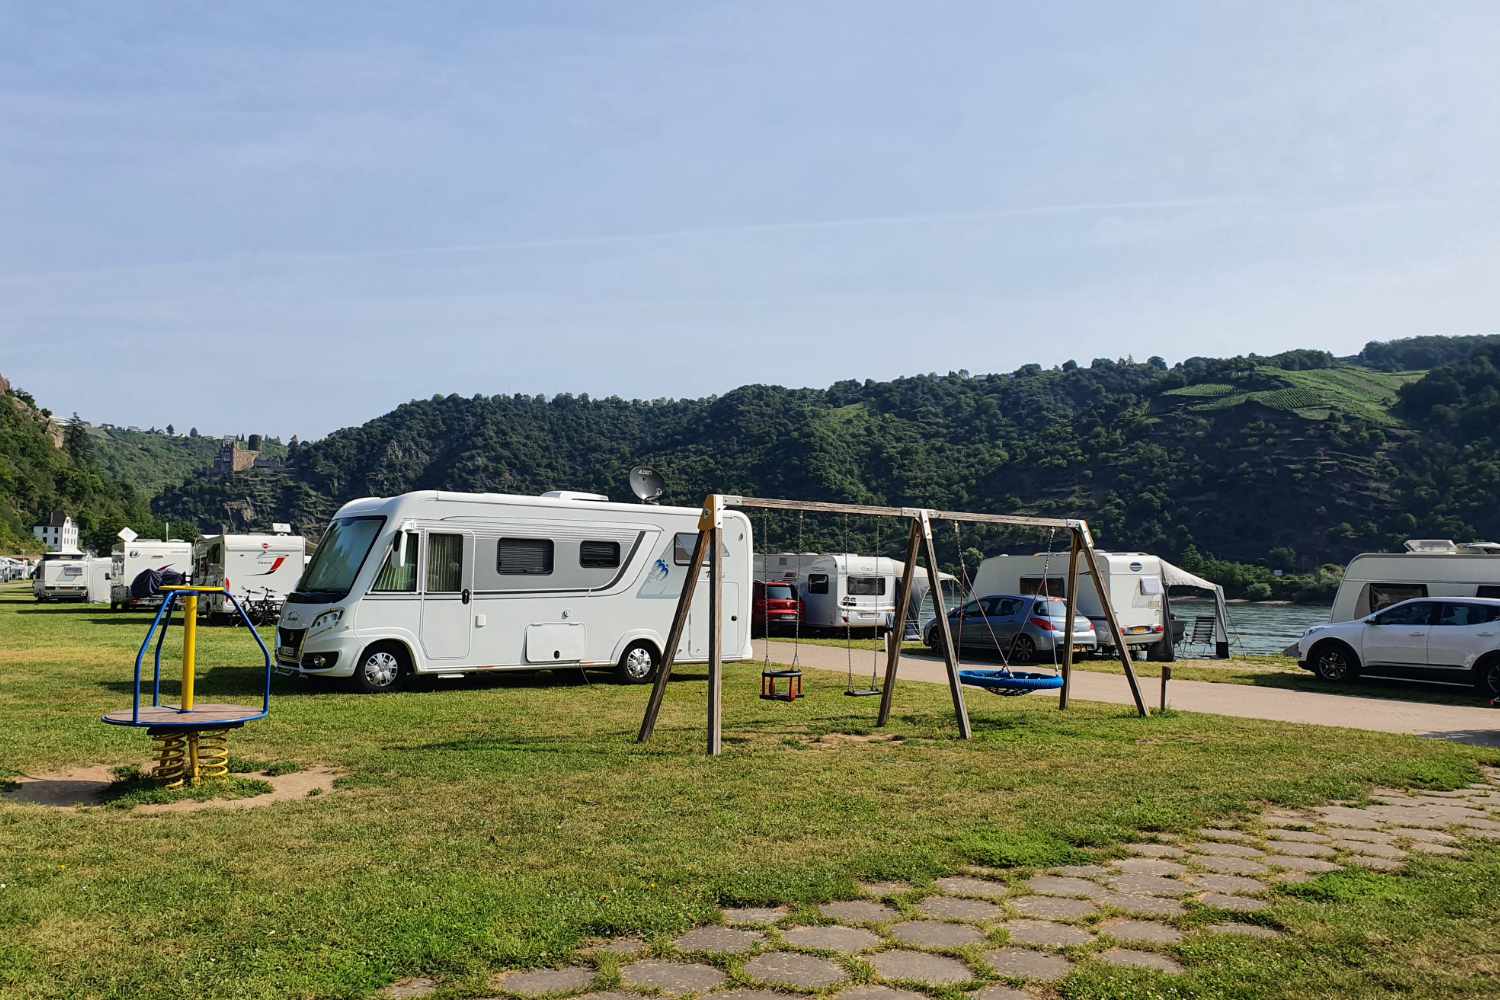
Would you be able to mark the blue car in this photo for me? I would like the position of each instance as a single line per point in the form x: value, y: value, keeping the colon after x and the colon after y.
x: 1021, y: 629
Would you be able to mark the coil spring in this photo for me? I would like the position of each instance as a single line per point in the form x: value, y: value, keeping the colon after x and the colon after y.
x: 171, y: 756
x: 213, y: 753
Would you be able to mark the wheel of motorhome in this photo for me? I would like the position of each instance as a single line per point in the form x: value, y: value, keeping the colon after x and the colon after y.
x: 381, y: 668
x: 638, y: 664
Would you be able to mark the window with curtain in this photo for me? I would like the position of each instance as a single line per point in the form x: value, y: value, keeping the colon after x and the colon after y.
x: 445, y: 564
x: 394, y: 577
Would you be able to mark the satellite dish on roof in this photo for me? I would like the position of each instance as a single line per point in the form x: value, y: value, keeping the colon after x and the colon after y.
x: 646, y: 484
x: 125, y: 535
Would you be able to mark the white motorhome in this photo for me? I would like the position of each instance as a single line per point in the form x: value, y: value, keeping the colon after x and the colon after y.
x: 1430, y: 567
x: 61, y: 575
x: 1135, y: 581
x: 847, y: 590
x: 442, y: 583
x: 132, y: 558
x: 265, y: 566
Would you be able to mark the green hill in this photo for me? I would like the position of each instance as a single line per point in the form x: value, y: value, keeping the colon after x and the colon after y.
x: 1300, y: 455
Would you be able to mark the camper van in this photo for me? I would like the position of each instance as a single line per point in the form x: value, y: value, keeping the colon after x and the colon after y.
x: 266, y: 567
x: 444, y: 583
x: 61, y: 575
x: 853, y: 591
x: 1429, y: 567
x: 132, y: 558
x: 1133, y: 581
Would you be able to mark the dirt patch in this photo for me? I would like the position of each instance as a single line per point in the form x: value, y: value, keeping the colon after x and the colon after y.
x: 87, y: 787
x: 833, y: 741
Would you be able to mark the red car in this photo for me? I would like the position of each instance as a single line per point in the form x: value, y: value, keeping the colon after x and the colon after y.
x: 774, y: 604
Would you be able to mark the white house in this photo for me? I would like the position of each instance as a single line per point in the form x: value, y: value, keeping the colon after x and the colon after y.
x: 59, y: 534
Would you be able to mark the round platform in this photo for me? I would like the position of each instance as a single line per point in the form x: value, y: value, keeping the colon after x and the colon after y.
x: 203, y: 716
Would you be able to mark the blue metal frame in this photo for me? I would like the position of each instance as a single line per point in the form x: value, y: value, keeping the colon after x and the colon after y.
x: 164, y: 618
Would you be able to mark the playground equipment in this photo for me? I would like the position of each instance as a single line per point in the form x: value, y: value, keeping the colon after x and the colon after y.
x: 706, y: 551
x: 191, y: 740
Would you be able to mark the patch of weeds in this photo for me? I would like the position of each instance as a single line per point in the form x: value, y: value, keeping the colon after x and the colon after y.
x: 1347, y: 885
x: 133, y: 787
x: 1010, y: 849
x: 271, y: 769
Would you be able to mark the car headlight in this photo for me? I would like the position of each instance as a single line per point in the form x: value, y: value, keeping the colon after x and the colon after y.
x: 326, y: 620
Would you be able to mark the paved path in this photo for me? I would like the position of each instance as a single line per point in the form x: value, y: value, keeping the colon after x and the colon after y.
x: 1460, y: 723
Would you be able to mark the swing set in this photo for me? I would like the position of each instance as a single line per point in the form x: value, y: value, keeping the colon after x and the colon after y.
x: 1004, y: 681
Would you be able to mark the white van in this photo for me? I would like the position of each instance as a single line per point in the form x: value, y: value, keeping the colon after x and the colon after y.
x: 267, y: 565
x: 134, y: 557
x: 1430, y: 567
x: 442, y: 583
x: 61, y: 575
x: 1133, y: 581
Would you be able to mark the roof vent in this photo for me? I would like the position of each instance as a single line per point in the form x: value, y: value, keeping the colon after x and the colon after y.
x: 1431, y: 546
x: 575, y: 495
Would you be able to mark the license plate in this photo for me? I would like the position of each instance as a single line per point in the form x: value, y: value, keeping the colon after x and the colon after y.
x: 286, y: 653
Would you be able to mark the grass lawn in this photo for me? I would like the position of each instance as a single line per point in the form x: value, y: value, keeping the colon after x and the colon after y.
x: 494, y: 822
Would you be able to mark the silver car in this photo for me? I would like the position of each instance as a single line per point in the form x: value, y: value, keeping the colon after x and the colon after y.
x: 1022, y: 629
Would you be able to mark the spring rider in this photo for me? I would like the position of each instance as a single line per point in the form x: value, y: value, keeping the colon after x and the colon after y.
x: 192, y: 739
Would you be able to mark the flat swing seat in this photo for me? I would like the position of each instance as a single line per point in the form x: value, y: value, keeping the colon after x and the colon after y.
x: 1010, y: 682
x: 200, y: 716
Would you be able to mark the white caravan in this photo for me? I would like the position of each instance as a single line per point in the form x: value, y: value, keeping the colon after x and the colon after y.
x: 1135, y: 581
x: 846, y: 590
x: 61, y: 575
x: 246, y: 563
x: 442, y: 583
x: 1428, y: 568
x: 132, y: 558
x: 98, y: 573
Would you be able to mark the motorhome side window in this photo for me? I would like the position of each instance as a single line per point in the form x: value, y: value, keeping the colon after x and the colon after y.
x: 599, y: 555
x: 445, y: 564
x: 866, y: 586
x: 683, y: 544
x: 1052, y: 586
x: 396, y: 577
x: 817, y: 583
x: 1383, y: 595
x: 524, y: 557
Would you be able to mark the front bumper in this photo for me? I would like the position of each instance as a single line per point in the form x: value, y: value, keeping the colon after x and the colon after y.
x: 318, y: 656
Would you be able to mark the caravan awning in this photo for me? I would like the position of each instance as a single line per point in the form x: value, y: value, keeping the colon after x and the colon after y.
x: 1176, y: 576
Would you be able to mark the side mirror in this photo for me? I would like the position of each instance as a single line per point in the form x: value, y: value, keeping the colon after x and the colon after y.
x: 407, y: 528
x: 1371, y: 621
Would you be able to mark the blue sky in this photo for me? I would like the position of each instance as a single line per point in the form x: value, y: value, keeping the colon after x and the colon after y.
x: 292, y: 217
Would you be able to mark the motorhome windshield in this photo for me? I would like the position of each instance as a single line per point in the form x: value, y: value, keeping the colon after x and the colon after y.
x: 336, y: 563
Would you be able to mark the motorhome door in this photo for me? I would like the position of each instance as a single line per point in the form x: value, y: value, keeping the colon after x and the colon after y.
x: 447, y: 586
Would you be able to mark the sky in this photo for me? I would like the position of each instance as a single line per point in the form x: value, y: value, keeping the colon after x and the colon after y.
x: 292, y: 217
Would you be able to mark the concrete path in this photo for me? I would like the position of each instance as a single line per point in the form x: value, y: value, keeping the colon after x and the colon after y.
x: 1459, y: 723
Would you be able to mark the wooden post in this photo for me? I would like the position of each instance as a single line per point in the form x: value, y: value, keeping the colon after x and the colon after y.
x: 674, y: 637
x: 893, y: 650
x: 1114, y: 627
x: 1166, y: 675
x: 950, y: 656
x: 715, y: 643
x: 1071, y: 597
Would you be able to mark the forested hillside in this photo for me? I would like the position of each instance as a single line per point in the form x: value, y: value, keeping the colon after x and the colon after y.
x: 46, y: 466
x: 1286, y: 462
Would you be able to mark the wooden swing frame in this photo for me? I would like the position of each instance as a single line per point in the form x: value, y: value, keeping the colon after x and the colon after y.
x: 707, y: 549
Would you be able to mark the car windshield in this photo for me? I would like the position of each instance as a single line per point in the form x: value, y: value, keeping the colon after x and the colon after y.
x: 779, y: 592
x: 1050, y: 609
x: 340, y: 555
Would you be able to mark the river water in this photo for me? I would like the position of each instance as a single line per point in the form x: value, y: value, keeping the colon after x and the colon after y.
x: 1257, y: 629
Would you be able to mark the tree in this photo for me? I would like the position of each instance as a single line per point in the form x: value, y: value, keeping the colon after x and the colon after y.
x: 76, y: 439
x: 171, y: 431
x: 192, y: 432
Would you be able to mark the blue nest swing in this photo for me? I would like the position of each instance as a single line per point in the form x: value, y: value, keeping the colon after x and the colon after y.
x: 1010, y: 683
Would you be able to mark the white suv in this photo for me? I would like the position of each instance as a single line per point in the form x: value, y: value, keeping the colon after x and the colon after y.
x: 1455, y: 639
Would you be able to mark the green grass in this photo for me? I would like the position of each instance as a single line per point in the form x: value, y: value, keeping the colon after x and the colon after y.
x: 133, y: 787
x: 494, y: 822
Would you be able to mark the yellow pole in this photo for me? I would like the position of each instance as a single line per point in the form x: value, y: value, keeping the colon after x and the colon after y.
x: 189, y: 648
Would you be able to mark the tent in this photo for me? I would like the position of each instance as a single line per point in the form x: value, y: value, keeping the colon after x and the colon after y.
x: 1176, y: 576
